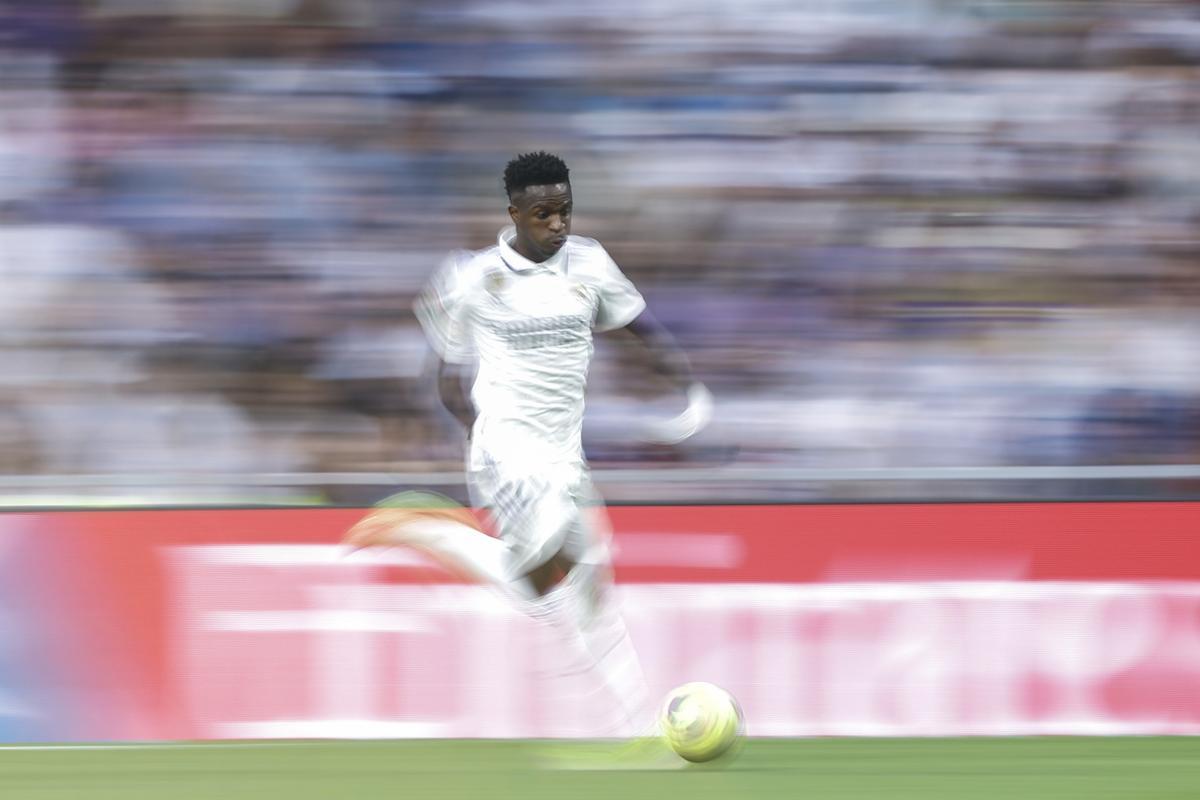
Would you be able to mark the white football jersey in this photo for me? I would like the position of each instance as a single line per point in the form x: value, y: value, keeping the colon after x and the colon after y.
x: 527, y: 327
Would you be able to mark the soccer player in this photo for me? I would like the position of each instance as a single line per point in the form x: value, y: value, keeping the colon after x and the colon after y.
x: 520, y: 315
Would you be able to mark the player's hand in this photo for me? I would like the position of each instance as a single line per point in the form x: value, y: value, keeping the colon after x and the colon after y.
x: 693, y: 419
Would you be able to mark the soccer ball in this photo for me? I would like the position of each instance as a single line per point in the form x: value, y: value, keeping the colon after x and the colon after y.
x: 701, y: 721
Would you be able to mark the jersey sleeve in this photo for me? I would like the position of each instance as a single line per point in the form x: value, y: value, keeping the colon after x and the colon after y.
x: 620, y: 301
x: 444, y: 311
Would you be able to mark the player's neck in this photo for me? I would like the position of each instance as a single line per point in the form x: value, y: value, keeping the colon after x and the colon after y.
x: 524, y: 251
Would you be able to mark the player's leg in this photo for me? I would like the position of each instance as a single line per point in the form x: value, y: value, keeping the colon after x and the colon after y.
x: 569, y: 589
x: 523, y: 561
x: 443, y: 530
x: 545, y: 577
x: 585, y: 607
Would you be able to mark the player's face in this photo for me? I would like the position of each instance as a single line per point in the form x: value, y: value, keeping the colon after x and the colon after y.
x: 542, y: 215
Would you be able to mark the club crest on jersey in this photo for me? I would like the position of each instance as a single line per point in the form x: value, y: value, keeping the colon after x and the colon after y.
x: 495, y: 283
x: 583, y: 292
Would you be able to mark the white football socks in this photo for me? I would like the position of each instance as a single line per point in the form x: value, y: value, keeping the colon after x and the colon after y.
x: 590, y: 625
x: 595, y: 642
x: 466, y: 551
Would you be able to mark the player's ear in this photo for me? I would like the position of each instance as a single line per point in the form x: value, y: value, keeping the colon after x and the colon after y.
x: 513, y: 213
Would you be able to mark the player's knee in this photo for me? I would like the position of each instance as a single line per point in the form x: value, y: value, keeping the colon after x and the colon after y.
x: 549, y: 574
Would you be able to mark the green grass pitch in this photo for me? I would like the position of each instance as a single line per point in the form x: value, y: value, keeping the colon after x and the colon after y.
x: 821, y: 769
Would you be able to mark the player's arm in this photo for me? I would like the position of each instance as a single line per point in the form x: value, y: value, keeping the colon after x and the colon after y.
x: 668, y: 359
x: 452, y: 383
x: 621, y: 306
x: 671, y: 362
x: 443, y: 309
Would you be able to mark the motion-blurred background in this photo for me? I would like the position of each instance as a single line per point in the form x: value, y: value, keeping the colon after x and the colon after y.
x: 919, y: 250
x: 898, y: 234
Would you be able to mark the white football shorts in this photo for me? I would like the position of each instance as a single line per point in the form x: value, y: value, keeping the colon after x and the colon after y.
x: 540, y: 512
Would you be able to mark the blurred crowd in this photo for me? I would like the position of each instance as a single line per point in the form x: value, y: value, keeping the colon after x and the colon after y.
x: 889, y: 233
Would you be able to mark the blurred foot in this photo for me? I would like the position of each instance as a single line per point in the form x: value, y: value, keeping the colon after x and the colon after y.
x: 392, y: 523
x: 642, y: 753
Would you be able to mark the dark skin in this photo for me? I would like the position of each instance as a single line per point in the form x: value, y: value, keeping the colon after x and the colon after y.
x: 542, y: 216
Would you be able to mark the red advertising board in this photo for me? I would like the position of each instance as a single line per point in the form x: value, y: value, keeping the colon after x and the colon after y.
x: 952, y: 619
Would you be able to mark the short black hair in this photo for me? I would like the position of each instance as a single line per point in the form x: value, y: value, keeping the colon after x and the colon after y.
x: 534, y: 169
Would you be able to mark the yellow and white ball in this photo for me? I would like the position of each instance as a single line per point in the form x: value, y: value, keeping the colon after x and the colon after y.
x: 701, y: 721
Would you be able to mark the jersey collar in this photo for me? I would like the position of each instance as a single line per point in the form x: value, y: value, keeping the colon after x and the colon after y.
x: 519, y: 263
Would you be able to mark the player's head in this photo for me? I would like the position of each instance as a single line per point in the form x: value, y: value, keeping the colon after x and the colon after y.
x: 539, y: 203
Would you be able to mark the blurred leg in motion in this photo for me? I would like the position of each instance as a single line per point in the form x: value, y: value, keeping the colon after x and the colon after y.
x: 449, y: 534
x: 582, y: 610
x: 571, y: 591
